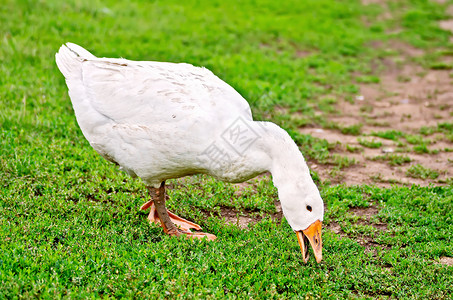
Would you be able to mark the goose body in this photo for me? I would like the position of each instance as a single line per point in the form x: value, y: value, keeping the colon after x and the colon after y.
x: 160, y: 120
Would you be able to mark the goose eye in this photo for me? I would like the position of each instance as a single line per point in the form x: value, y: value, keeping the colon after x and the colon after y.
x: 309, y: 208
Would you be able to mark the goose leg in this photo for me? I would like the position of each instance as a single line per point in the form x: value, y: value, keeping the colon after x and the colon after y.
x: 171, y: 223
x: 178, y: 221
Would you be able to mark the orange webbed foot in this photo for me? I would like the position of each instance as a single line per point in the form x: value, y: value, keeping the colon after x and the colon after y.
x: 183, y: 226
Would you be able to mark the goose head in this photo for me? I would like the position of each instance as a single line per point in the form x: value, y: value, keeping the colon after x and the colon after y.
x: 303, y: 208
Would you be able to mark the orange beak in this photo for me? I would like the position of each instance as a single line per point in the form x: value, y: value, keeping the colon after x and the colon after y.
x: 313, y: 235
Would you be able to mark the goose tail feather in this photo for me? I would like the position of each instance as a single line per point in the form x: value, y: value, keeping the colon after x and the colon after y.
x: 69, y: 59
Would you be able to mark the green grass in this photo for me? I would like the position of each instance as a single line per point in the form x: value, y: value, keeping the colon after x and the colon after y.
x: 353, y: 149
x: 354, y: 129
x: 368, y: 79
x: 389, y: 134
x: 446, y: 128
x: 441, y: 66
x: 419, y: 171
x: 393, y: 159
x: 420, y: 149
x: 343, y: 161
x: 369, y: 144
x: 70, y: 224
x: 416, y: 139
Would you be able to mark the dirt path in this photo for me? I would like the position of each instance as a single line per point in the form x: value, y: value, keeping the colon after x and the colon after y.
x: 409, y: 101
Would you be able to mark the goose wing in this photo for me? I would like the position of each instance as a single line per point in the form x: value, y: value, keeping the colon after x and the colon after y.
x: 147, y: 93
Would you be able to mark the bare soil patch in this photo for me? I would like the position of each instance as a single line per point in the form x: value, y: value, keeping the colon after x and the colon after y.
x: 237, y: 218
x: 363, y: 239
x: 368, y: 2
x: 446, y: 261
x: 406, y: 99
x: 335, y: 228
x: 242, y: 219
x: 365, y: 214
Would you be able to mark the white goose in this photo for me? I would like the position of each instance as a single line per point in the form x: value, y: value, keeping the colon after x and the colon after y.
x: 161, y: 120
